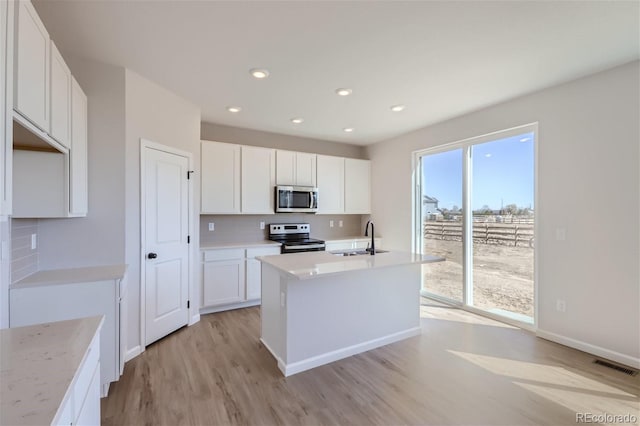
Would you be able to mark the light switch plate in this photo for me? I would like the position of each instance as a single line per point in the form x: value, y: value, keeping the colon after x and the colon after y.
x: 34, y: 241
x: 212, y: 226
x: 261, y: 225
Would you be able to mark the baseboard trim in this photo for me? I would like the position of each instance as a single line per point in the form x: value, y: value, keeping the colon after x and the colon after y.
x: 589, y: 348
x: 132, y: 353
x: 326, y: 358
x: 221, y: 308
x: 194, y: 319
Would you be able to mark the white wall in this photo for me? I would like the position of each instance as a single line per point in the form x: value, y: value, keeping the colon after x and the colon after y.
x: 588, y: 155
x: 155, y: 114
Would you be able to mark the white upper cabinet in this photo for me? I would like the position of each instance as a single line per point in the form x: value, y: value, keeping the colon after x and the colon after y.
x: 258, y: 180
x: 78, y: 160
x: 306, y: 169
x: 295, y: 168
x: 60, y: 112
x: 220, y: 184
x: 357, y: 186
x: 330, y: 184
x: 32, y: 66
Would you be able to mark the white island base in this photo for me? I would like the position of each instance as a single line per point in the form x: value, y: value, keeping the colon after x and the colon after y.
x: 308, y: 321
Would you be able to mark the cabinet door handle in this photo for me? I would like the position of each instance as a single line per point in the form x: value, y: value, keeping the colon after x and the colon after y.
x: 152, y: 255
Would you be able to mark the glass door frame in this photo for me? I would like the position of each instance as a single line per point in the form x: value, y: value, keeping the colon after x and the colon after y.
x: 417, y: 239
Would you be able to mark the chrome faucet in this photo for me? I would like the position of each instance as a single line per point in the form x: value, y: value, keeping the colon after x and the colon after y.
x: 372, y: 249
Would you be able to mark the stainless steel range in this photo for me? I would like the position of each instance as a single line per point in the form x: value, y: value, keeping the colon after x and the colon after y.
x: 294, y: 237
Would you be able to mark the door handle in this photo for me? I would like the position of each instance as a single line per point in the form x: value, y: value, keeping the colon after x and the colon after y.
x: 152, y: 255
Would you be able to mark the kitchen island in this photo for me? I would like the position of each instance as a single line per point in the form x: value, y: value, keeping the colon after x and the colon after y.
x: 318, y: 307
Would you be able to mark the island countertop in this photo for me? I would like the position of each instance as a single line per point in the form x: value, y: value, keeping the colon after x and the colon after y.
x: 312, y: 264
x: 38, y: 364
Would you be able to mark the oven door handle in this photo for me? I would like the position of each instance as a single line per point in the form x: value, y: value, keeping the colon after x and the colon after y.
x: 304, y: 246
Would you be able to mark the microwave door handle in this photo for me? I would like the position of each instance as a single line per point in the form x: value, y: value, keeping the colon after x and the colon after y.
x: 310, y: 199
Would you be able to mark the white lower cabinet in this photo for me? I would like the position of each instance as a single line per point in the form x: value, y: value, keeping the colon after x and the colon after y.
x: 31, y: 304
x: 231, y: 277
x: 82, y: 403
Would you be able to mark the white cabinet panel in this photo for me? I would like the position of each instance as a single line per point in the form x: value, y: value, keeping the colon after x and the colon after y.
x: 31, y: 78
x: 78, y: 159
x: 357, y: 186
x: 330, y: 184
x: 39, y: 184
x: 295, y: 168
x: 60, y: 98
x: 223, y: 282
x: 306, y: 169
x: 220, y: 184
x: 89, y: 411
x: 6, y: 104
x: 254, y: 268
x: 285, y: 167
x: 258, y: 180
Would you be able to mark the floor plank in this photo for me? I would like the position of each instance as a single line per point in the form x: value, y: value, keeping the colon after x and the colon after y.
x: 463, y: 369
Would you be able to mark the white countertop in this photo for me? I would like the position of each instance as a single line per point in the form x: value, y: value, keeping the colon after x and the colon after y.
x: 72, y: 275
x: 237, y: 244
x: 38, y: 364
x: 312, y: 264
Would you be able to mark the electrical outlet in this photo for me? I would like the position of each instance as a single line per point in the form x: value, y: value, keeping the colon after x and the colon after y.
x: 212, y: 226
x: 261, y: 225
x: 561, y: 234
x: 34, y: 241
x: 561, y: 305
x: 340, y: 224
x: 282, y: 299
x: 330, y: 224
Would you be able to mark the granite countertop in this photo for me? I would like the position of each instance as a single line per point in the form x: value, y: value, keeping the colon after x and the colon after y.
x: 341, y: 239
x: 72, y: 275
x: 38, y: 363
x: 312, y: 264
x: 238, y: 244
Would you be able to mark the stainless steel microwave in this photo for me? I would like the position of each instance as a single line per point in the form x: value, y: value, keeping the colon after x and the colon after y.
x: 296, y: 199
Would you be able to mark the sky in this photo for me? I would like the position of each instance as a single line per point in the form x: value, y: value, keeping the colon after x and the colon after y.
x: 503, y: 173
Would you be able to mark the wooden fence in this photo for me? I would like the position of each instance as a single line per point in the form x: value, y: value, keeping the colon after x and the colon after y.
x: 488, y: 233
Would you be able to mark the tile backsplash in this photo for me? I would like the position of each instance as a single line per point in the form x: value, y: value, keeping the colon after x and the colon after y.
x: 24, y: 259
x: 232, y: 228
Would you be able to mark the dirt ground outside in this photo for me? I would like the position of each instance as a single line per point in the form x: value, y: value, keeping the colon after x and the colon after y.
x: 502, y: 275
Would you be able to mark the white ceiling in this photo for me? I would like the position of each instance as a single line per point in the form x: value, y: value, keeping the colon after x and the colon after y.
x: 439, y: 58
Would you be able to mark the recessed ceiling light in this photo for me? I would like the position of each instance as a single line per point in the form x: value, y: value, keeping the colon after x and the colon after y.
x: 297, y: 120
x: 488, y: 155
x: 348, y: 129
x: 524, y: 140
x: 259, y: 73
x: 397, y: 108
x: 234, y: 109
x: 343, y: 92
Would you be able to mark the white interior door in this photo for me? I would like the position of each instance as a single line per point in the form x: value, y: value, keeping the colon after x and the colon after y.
x: 166, y: 210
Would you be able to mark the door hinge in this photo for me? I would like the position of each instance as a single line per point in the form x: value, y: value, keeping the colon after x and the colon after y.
x: 189, y: 174
x: 188, y: 239
x: 188, y: 304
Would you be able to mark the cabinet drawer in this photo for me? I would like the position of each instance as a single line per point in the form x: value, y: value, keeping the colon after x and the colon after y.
x: 87, y: 372
x: 262, y: 251
x: 223, y: 254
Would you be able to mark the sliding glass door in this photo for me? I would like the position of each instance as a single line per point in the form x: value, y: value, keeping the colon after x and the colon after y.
x: 477, y: 209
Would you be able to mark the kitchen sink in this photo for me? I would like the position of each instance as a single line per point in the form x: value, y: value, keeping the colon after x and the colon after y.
x: 355, y: 252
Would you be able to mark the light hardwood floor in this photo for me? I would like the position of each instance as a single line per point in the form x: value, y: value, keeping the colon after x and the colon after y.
x: 463, y: 370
